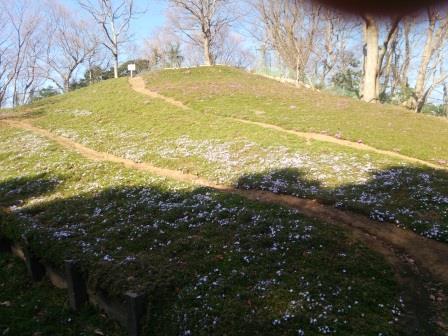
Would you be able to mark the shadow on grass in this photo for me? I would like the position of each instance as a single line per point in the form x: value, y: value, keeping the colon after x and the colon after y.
x: 39, y: 309
x: 213, y: 263
x: 414, y: 198
x: 15, y: 191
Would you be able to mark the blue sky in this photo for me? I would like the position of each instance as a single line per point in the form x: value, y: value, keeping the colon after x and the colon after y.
x: 145, y: 24
x: 154, y: 17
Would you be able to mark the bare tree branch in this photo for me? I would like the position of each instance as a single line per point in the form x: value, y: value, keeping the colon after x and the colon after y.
x: 71, y: 43
x: 114, y: 18
x: 202, y: 22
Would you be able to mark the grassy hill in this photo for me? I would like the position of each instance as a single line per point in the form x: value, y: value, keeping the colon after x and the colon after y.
x: 212, y: 262
x: 232, y: 92
x: 111, y: 117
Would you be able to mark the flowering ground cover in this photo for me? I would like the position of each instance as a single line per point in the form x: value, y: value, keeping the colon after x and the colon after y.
x: 232, y: 92
x: 210, y: 263
x: 111, y: 117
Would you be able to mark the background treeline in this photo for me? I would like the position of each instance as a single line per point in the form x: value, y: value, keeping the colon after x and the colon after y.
x: 47, y: 48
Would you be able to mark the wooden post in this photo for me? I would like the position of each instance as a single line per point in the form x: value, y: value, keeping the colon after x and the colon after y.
x: 5, y: 245
x: 77, y: 289
x: 136, y: 305
x: 35, y: 269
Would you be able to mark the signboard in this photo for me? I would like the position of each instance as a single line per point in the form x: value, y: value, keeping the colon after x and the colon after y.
x: 131, y: 68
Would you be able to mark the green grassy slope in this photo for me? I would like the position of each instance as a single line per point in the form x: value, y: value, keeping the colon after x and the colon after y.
x: 232, y: 92
x: 111, y: 117
x: 210, y: 263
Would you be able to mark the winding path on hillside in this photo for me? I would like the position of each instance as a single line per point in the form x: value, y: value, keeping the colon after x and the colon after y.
x: 138, y: 85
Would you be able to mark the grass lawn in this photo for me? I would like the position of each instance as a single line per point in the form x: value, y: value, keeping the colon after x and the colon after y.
x: 111, y: 117
x: 210, y: 263
x: 231, y: 92
x: 39, y: 309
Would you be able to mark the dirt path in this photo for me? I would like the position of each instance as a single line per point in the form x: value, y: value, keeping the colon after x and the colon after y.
x: 417, y: 261
x: 138, y: 84
x: 346, y: 143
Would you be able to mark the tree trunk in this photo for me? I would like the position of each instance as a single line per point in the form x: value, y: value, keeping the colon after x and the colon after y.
x: 2, y: 97
x: 66, y: 85
x: 15, y: 93
x: 382, y: 89
x: 404, y: 76
x: 298, y: 77
x: 421, y: 101
x: 370, y: 93
x: 445, y: 99
x: 208, y: 58
x: 114, y: 49
x: 115, y: 65
x: 422, y: 70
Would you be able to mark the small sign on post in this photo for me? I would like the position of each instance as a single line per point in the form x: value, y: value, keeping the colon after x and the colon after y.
x: 131, y: 68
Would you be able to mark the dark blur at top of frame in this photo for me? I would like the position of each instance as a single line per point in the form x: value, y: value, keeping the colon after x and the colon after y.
x: 382, y: 7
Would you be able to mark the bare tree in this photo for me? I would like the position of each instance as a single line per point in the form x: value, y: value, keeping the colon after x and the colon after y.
x: 231, y: 50
x: 100, y: 59
x: 114, y: 18
x: 202, y: 21
x: 374, y: 54
x: 292, y: 29
x: 399, y: 62
x: 429, y: 73
x: 18, y: 30
x: 162, y: 49
x: 445, y: 99
x: 5, y: 61
x: 330, y: 48
x: 71, y: 43
x: 32, y: 75
x: 308, y: 39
